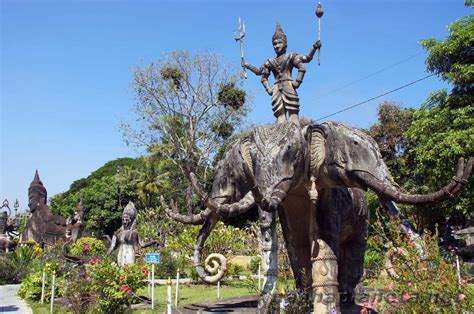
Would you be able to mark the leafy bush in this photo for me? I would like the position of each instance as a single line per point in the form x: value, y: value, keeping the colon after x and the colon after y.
x: 167, y: 267
x: 422, y: 285
x: 224, y: 239
x: 88, y: 247
x: 374, y: 258
x: 254, y: 263
x: 113, y: 286
x: 234, y: 269
x: 14, y: 265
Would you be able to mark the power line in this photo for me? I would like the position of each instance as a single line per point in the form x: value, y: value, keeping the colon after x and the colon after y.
x: 370, y: 75
x: 381, y: 95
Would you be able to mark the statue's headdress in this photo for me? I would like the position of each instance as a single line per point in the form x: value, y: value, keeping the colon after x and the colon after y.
x: 130, y: 210
x: 279, y: 34
x: 80, y: 210
x: 37, y: 186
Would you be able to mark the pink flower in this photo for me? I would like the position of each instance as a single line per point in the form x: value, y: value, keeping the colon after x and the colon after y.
x: 94, y: 261
x: 409, y: 284
x: 391, y: 285
x: 461, y: 297
x: 405, y: 296
x: 463, y: 283
x: 392, y: 299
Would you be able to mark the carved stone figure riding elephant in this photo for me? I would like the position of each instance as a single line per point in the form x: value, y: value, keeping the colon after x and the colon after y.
x: 311, y: 176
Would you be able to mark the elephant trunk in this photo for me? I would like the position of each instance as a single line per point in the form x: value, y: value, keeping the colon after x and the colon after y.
x: 219, y: 262
x: 388, y: 191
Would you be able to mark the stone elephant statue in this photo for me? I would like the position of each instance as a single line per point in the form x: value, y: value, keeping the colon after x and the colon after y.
x: 312, y: 176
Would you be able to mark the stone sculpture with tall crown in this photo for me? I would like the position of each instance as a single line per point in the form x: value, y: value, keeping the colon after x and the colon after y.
x: 43, y: 226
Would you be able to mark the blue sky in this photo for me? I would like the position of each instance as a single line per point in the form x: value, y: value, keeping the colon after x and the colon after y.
x: 66, y: 68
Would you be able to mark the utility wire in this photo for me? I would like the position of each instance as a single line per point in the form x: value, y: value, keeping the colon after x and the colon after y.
x: 381, y: 95
x: 370, y: 75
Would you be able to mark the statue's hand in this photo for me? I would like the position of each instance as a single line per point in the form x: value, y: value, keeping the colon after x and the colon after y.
x: 296, y: 84
x: 317, y: 45
x: 244, y: 64
x: 269, y: 91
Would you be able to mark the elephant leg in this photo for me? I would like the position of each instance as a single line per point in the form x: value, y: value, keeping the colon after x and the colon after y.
x: 292, y: 254
x: 351, y: 268
x: 269, y: 246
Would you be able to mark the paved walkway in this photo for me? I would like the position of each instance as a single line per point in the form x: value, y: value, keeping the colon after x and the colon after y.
x: 10, y: 303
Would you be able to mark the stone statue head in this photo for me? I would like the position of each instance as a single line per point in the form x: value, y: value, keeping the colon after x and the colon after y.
x: 279, y: 40
x: 129, y: 216
x: 37, y: 193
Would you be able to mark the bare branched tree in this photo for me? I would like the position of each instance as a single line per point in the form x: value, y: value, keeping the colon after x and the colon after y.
x: 186, y: 107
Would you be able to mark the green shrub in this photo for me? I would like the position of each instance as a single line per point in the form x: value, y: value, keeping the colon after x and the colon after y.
x: 234, y: 269
x: 254, y: 263
x: 88, y: 247
x: 114, y: 286
x: 167, y: 267
x: 425, y: 284
x: 374, y: 258
x: 14, y: 265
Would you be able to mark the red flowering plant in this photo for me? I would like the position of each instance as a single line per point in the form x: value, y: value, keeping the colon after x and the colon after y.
x: 420, y: 281
x: 115, y: 286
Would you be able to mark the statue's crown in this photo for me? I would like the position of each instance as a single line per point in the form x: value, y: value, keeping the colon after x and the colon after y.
x: 37, y: 186
x: 279, y: 34
x: 130, y: 210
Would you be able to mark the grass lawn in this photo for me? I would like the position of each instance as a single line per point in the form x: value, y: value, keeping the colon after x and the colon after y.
x: 188, y: 294
x: 191, y: 293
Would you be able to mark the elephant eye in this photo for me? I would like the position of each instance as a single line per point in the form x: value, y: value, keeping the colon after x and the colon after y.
x: 356, y: 143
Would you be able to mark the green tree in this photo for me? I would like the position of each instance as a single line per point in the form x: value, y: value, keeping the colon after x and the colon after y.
x: 393, y: 120
x: 442, y: 128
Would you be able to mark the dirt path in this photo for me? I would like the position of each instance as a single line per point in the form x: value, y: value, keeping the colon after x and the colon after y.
x: 10, y: 303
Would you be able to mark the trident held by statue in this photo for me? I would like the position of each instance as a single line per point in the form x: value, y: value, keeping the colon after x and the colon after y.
x: 319, y: 14
x: 240, y: 38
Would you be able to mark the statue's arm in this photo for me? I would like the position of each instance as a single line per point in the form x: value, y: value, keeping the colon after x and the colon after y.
x: 308, y: 57
x: 113, y: 243
x: 263, y: 71
x: 144, y: 244
x: 298, y: 63
x: 252, y: 68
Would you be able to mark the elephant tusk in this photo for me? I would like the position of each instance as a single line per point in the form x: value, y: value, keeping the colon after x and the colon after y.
x: 387, y: 191
x: 195, y: 219
x: 240, y: 207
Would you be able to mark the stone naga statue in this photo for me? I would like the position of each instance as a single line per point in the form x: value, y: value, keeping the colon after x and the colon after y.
x: 302, y: 174
x: 127, y: 238
x: 43, y: 226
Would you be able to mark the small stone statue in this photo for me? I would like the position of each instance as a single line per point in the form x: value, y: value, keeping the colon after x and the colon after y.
x: 43, y: 226
x: 284, y: 96
x: 127, y: 237
x: 74, y: 223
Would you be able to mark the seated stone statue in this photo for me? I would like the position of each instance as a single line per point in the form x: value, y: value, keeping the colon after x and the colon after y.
x: 43, y: 226
x: 127, y: 238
